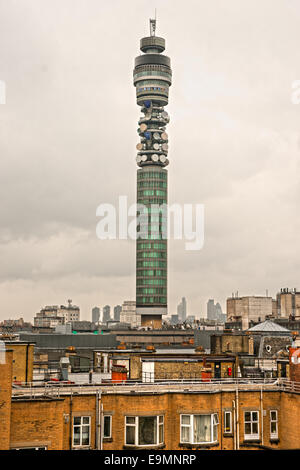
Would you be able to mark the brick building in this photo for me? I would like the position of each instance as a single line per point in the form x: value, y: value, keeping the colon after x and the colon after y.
x: 197, y: 415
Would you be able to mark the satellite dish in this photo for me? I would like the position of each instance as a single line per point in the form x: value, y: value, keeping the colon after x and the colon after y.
x: 163, y: 158
x: 147, y: 103
x: 155, y: 157
x: 156, y: 146
x: 138, y: 159
x: 164, y: 136
x: 143, y: 127
x: 165, y: 147
x: 164, y: 115
x: 139, y: 146
x: 156, y: 136
x: 147, y: 135
x: 144, y: 158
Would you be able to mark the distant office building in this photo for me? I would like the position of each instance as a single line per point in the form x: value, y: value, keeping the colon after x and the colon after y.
x: 288, y: 304
x: 181, y: 310
x: 106, y: 313
x: 214, y: 312
x: 248, y: 309
x: 95, y: 314
x: 117, y: 312
x: 129, y: 315
x: 53, y: 315
x: 211, y: 310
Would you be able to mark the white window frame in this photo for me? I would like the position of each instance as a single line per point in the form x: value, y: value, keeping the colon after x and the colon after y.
x: 274, y: 435
x: 81, y: 426
x: 160, y: 423
x: 214, y: 422
x: 31, y: 448
x: 110, y: 426
x: 228, y: 412
x: 252, y: 435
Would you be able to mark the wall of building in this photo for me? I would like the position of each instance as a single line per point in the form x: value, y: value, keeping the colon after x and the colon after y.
x: 248, y: 309
x: 37, y: 423
x: 234, y: 343
x: 6, y: 358
x: 22, y: 361
x: 45, y: 422
x: 289, y: 418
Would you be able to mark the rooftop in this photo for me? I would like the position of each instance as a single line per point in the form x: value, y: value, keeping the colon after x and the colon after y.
x: 269, y: 326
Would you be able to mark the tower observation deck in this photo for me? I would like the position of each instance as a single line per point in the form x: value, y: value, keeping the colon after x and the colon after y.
x: 152, y: 77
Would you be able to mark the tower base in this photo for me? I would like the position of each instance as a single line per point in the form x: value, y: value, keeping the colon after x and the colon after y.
x: 153, y: 321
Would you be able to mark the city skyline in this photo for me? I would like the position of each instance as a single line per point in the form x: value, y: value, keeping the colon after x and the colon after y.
x: 64, y: 151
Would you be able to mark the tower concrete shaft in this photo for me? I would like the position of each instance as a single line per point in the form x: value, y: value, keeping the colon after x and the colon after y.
x: 152, y: 77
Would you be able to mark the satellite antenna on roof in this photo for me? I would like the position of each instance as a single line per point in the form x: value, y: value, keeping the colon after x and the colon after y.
x: 153, y: 25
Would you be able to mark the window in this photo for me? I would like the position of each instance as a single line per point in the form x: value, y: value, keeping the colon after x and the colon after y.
x: 144, y: 430
x: 273, y: 424
x: 227, y: 422
x: 107, y: 426
x: 251, y: 423
x: 199, y: 429
x: 81, y: 431
x: 31, y: 448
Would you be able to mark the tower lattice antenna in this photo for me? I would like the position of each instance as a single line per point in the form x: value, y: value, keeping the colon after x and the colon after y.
x: 153, y: 25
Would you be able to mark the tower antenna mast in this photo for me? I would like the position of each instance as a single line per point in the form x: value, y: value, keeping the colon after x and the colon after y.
x: 153, y: 25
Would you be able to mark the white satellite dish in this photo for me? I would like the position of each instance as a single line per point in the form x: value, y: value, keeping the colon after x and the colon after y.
x: 155, y: 157
x: 156, y: 136
x: 164, y: 115
x: 165, y: 147
x: 156, y: 146
x: 163, y: 158
x: 138, y: 159
x: 144, y: 158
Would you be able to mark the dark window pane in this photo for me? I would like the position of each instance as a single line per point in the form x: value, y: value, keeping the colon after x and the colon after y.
x: 107, y: 426
x: 255, y: 428
x: 147, y: 430
x: 130, y: 435
x: 76, y: 436
x: 247, y: 428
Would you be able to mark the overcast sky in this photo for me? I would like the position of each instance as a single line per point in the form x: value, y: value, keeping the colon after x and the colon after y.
x: 68, y: 137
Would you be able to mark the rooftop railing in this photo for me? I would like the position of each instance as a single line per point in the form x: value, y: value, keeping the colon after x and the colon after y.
x: 58, y: 389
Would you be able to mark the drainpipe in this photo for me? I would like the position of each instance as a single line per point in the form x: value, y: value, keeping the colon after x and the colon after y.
x: 101, y: 426
x: 234, y: 425
x: 262, y: 416
x: 71, y: 420
x: 237, y: 419
x: 98, y: 420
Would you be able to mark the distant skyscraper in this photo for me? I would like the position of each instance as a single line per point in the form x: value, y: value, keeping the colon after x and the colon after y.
x: 152, y: 77
x: 106, y: 313
x: 214, y: 311
x: 117, y: 312
x: 181, y: 310
x: 95, y: 314
x: 211, y: 310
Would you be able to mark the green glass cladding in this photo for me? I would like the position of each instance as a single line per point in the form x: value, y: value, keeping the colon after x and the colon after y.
x: 151, y: 249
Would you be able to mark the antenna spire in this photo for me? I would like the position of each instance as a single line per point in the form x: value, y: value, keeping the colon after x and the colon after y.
x: 153, y: 25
